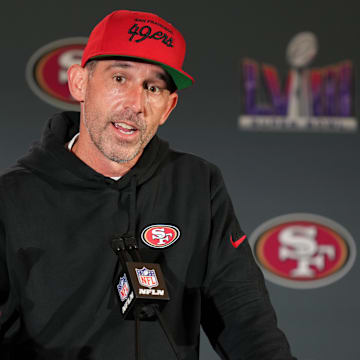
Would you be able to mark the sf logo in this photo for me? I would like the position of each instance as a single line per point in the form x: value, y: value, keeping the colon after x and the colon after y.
x: 299, y: 243
x: 161, y: 236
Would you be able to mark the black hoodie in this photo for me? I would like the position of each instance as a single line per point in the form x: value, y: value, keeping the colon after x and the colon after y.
x: 57, y: 297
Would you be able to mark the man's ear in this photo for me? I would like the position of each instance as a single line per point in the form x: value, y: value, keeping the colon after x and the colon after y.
x: 172, y: 101
x: 77, y: 81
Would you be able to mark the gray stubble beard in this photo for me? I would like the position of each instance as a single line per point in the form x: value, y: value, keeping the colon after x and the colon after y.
x: 99, y: 141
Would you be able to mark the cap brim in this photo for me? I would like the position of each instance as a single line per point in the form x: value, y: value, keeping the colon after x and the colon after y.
x: 181, y: 79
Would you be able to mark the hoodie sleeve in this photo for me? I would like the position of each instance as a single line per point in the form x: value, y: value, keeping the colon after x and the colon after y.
x: 4, y: 282
x: 237, y: 315
x: 8, y: 313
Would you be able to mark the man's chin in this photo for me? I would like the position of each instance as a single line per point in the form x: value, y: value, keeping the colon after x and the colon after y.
x: 122, y: 158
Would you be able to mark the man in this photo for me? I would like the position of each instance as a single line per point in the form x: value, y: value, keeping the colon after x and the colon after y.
x: 102, y: 173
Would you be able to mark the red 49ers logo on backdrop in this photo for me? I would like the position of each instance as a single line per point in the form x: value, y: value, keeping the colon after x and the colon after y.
x: 46, y: 71
x: 160, y: 235
x: 303, y: 250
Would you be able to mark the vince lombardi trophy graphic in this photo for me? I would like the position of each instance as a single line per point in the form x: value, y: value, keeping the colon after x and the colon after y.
x: 300, y: 52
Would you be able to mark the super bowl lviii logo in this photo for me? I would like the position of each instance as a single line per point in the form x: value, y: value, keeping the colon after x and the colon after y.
x: 46, y: 71
x: 317, y: 99
x: 303, y: 250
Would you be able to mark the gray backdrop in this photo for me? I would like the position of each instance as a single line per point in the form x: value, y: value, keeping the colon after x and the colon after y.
x: 267, y: 174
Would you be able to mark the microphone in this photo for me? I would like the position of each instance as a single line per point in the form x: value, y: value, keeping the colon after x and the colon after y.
x: 141, y: 289
x: 141, y: 285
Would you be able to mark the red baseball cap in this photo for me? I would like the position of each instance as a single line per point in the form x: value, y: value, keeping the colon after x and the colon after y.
x: 140, y: 35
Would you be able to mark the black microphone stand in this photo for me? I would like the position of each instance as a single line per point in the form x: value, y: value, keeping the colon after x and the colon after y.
x: 123, y: 246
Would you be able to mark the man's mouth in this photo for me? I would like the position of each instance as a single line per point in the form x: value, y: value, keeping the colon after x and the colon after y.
x: 124, y: 128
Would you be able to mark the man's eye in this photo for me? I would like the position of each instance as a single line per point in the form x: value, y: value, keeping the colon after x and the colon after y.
x: 120, y: 79
x: 154, y: 89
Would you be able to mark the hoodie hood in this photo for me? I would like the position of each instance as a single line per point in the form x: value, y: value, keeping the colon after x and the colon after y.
x: 50, y: 157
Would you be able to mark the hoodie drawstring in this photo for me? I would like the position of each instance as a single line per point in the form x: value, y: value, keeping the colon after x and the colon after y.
x: 132, y: 208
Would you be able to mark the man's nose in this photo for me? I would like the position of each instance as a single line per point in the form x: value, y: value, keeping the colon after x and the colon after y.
x: 135, y: 98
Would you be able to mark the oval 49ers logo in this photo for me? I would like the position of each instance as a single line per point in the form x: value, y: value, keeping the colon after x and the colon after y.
x: 160, y: 236
x: 303, y: 250
x: 46, y: 71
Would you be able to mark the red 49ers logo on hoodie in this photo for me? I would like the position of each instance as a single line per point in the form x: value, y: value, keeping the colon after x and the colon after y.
x: 160, y: 235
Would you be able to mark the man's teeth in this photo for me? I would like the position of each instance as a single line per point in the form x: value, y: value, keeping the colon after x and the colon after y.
x: 124, y: 128
x: 123, y: 125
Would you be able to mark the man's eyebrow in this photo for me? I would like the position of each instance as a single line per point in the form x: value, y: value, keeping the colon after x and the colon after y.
x: 162, y: 76
x: 123, y: 65
x: 126, y: 65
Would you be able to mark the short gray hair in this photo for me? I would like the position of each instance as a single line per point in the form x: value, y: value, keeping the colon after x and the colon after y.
x: 90, y: 66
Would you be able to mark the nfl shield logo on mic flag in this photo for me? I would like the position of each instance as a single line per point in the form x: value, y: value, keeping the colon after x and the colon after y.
x: 147, y: 277
x: 123, y: 288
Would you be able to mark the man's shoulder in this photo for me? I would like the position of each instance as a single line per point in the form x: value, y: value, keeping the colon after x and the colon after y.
x: 189, y: 161
x: 16, y: 174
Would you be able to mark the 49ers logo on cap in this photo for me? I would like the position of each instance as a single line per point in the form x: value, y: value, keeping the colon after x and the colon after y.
x: 160, y: 236
x: 46, y: 71
x: 303, y: 250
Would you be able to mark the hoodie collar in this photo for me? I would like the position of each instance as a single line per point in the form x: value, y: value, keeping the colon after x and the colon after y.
x: 50, y: 158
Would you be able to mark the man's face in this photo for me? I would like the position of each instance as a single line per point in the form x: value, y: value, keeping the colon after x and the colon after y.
x: 124, y: 104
